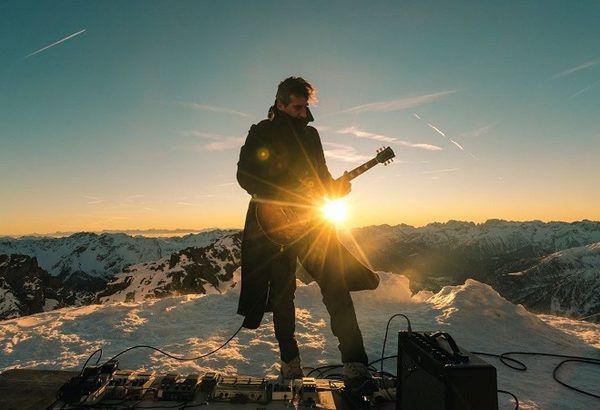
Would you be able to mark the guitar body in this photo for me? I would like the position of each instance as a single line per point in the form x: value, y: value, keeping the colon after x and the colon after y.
x: 285, y: 224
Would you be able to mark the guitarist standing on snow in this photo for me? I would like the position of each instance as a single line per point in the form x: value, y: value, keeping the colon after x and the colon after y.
x: 282, y: 160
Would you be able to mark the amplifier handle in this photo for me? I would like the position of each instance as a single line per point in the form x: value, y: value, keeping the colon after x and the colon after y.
x: 455, y: 350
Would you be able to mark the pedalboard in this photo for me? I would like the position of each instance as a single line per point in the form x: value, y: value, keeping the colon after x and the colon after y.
x: 108, y: 386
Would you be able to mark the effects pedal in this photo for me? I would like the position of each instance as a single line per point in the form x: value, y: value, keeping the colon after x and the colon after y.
x: 281, y: 391
x: 129, y: 384
x: 242, y: 389
x: 178, y: 388
x: 90, y: 386
x: 307, y: 394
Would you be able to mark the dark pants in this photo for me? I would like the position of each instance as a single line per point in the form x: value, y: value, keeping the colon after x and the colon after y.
x: 320, y: 259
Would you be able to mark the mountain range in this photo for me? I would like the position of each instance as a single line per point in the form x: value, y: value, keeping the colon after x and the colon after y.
x: 549, y: 267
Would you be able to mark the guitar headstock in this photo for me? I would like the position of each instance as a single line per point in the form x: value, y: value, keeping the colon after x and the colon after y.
x: 385, y: 155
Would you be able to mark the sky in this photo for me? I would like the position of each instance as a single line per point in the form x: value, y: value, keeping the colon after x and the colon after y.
x: 130, y: 115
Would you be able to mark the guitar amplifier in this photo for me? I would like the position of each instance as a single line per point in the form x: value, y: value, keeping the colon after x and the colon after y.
x: 435, y: 373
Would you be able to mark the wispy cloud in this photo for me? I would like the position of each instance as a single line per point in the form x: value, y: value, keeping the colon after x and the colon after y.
x: 55, y: 43
x: 224, y: 144
x: 398, y: 104
x: 478, y: 132
x: 440, y: 171
x: 93, y: 199
x: 213, y: 108
x: 343, y: 153
x: 219, y: 142
x: 580, y: 67
x: 392, y: 140
x: 365, y: 134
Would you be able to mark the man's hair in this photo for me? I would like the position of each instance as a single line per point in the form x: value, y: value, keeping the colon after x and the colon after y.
x: 297, y: 86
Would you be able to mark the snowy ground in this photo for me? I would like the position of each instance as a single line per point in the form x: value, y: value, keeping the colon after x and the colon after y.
x: 474, y: 314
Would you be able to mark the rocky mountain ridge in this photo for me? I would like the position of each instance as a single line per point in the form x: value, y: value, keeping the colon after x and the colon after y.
x: 558, y: 263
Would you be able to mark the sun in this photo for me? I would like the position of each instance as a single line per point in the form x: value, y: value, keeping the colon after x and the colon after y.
x: 335, y: 211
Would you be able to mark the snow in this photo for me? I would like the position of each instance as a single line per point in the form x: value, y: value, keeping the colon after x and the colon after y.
x: 473, y: 313
x: 102, y: 255
x: 50, y: 304
x: 9, y: 304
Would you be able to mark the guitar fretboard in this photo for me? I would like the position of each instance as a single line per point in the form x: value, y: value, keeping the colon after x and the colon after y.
x: 360, y: 169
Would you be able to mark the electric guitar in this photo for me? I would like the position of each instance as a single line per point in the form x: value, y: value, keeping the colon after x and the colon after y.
x: 285, y: 222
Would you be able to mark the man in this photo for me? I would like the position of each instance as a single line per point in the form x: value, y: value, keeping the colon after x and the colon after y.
x: 283, y: 160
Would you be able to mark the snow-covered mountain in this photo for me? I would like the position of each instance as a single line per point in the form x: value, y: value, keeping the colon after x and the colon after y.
x: 563, y: 283
x: 447, y: 254
x: 202, y: 270
x: 118, y: 267
x: 84, y: 263
x: 101, y: 255
x: 190, y: 325
x: 25, y: 288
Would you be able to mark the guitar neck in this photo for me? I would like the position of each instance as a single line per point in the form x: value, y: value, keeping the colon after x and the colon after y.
x: 350, y: 175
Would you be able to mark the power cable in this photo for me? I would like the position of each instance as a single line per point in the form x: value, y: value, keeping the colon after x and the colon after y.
x: 183, y: 359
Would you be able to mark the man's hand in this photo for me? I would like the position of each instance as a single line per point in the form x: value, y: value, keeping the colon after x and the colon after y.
x: 340, y: 187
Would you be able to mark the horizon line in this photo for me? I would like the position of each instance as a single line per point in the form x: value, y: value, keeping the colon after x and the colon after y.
x: 163, y: 231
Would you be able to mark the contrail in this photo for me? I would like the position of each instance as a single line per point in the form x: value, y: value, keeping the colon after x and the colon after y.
x: 398, y: 104
x: 437, y: 129
x: 53, y: 44
x: 580, y: 67
x: 457, y: 144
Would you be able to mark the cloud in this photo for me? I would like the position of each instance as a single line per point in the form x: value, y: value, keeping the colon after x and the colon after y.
x: 478, y: 132
x: 365, y: 134
x: 392, y: 140
x: 225, y: 144
x: 214, y: 108
x: 55, y: 43
x: 399, y: 104
x: 440, y: 171
x: 580, y: 67
x: 93, y: 199
x: 219, y: 142
x: 343, y: 153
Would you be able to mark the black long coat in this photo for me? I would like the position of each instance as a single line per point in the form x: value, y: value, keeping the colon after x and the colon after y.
x: 278, y: 153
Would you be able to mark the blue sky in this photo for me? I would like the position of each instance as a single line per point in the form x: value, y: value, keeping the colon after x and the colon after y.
x: 136, y: 122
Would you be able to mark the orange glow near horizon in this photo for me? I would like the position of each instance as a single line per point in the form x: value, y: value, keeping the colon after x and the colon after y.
x: 361, y: 216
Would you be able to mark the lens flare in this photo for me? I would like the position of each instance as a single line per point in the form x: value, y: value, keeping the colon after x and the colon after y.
x: 335, y: 211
